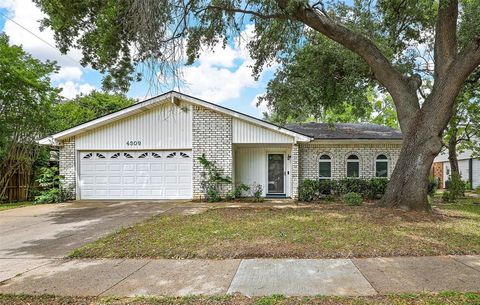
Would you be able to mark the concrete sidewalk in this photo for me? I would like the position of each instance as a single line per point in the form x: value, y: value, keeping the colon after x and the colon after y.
x: 251, y: 277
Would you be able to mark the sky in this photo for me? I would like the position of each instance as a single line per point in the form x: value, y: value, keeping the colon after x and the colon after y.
x: 222, y: 76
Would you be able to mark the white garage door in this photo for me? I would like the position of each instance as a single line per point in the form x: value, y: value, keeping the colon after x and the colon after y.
x: 136, y: 175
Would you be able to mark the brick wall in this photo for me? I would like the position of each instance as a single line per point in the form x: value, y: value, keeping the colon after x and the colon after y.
x: 212, y: 136
x: 67, y: 164
x: 295, y: 171
x: 367, y: 153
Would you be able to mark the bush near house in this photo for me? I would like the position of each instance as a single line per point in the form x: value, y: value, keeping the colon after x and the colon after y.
x: 313, y: 190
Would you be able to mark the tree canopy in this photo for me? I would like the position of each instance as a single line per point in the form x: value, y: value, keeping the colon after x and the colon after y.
x: 26, y: 99
x: 84, y: 108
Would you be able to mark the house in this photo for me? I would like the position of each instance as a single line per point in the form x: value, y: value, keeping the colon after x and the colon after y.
x: 150, y: 149
x: 468, y: 165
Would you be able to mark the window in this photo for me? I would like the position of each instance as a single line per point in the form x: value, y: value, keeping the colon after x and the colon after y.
x: 88, y: 156
x: 116, y: 155
x: 155, y: 155
x: 127, y: 155
x: 99, y: 155
x: 353, y: 166
x: 381, y: 166
x: 171, y: 155
x: 325, y: 167
x: 184, y: 155
x: 142, y: 156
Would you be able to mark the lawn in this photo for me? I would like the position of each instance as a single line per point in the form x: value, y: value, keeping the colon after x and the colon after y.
x: 13, y: 205
x: 320, y: 231
x: 424, y: 299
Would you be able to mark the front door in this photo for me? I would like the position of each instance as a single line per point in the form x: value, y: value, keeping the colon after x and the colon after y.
x: 276, y: 174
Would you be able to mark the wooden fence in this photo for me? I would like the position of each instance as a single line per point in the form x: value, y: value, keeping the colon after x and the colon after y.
x: 17, y: 189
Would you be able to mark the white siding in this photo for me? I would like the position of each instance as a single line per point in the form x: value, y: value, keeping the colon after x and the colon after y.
x: 476, y: 173
x: 244, y: 132
x: 251, y: 165
x: 164, y: 127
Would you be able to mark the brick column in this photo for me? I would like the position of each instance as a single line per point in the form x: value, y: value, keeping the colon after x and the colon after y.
x: 67, y: 165
x: 212, y: 136
x: 294, y: 171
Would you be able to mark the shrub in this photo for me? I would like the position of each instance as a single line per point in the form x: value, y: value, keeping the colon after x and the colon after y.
x: 51, y: 184
x: 352, y: 199
x: 327, y: 187
x: 256, y: 191
x: 353, y: 185
x: 432, y: 185
x: 237, y: 191
x: 376, y: 188
x: 477, y: 190
x: 308, y: 190
x: 456, y: 188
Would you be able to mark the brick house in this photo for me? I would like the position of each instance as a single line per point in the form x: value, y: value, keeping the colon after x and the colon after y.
x: 150, y: 149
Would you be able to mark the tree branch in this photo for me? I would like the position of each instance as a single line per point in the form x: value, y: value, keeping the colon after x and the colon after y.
x: 402, y: 89
x: 249, y: 12
x: 445, y: 36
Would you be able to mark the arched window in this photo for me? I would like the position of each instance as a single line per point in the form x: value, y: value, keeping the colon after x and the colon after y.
x: 353, y: 166
x: 381, y: 166
x: 325, y: 167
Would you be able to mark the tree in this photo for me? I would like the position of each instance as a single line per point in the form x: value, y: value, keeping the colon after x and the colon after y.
x: 324, y: 82
x: 26, y: 99
x: 84, y: 108
x: 391, y: 36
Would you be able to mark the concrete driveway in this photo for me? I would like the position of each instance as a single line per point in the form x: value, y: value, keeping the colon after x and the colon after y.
x: 53, y: 230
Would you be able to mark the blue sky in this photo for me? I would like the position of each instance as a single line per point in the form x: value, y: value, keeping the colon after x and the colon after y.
x: 221, y: 76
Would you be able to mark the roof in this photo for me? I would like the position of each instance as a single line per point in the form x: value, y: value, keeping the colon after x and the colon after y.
x: 346, y: 131
x: 171, y: 96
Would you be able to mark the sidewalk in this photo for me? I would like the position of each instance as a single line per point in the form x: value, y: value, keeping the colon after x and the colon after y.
x: 251, y: 277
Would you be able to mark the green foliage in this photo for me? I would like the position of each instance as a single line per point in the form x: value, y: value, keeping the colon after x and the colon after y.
x: 26, y: 99
x: 237, y: 191
x: 314, y: 190
x: 432, y: 185
x: 212, y: 179
x: 456, y: 188
x: 352, y: 199
x: 256, y: 191
x: 52, y: 190
x: 84, y: 108
x: 477, y: 190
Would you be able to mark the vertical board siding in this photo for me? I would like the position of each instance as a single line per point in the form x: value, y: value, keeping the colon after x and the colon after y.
x: 244, y: 132
x: 475, y: 173
x: 164, y: 127
x: 251, y: 166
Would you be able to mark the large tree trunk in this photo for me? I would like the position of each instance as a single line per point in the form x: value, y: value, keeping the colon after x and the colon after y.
x: 452, y: 153
x: 408, y: 185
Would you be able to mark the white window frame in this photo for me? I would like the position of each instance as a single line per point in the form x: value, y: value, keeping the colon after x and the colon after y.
x: 353, y: 161
x: 387, y: 160
x: 325, y: 161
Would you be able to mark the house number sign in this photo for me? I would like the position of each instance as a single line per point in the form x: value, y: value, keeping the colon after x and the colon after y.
x: 134, y: 143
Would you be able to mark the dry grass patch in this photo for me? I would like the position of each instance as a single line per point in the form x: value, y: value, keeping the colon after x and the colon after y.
x: 323, y: 231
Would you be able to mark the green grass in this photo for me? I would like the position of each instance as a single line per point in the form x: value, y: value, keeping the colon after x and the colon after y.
x: 13, y: 205
x: 424, y: 299
x: 324, y: 231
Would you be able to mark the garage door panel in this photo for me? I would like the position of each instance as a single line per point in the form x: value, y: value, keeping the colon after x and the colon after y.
x: 136, y: 175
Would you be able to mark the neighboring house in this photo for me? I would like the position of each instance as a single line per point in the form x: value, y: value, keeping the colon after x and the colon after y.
x: 469, y: 168
x: 149, y: 151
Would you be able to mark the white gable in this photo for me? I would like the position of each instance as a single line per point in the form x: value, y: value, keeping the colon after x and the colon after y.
x: 166, y: 126
x: 245, y: 132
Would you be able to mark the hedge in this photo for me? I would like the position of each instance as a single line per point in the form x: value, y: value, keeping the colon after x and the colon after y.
x: 312, y: 190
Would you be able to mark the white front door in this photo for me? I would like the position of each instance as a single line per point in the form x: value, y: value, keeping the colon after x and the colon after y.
x: 135, y: 175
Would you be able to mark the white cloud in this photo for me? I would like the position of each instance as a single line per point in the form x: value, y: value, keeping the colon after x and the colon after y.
x: 222, y: 73
x: 68, y: 73
x: 71, y: 89
x: 28, y: 15
x: 262, y: 107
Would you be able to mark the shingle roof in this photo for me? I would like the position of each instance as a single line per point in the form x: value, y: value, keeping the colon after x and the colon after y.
x: 346, y: 131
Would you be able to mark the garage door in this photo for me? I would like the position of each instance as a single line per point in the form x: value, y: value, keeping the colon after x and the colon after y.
x: 136, y: 175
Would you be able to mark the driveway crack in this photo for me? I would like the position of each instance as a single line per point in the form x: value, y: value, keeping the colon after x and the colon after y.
x: 127, y: 276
